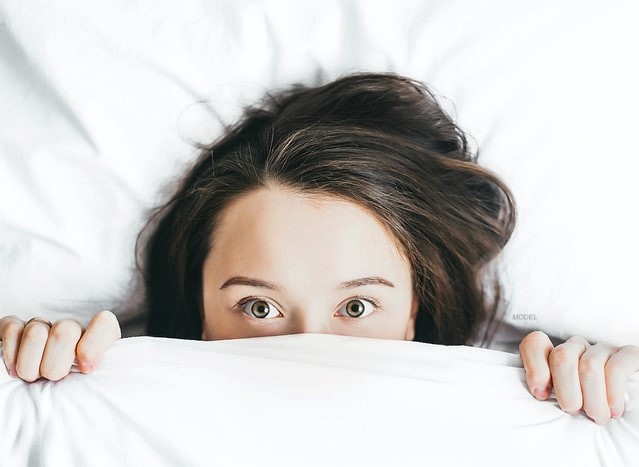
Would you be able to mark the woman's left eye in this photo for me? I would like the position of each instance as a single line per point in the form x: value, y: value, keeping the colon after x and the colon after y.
x: 359, y: 307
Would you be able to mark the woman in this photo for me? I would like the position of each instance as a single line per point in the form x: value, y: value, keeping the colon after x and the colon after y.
x: 352, y: 208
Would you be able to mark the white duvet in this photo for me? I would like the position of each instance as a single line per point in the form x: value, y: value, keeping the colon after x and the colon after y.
x: 302, y: 399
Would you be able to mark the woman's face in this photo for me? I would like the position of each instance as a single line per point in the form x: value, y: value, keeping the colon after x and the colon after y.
x: 283, y: 263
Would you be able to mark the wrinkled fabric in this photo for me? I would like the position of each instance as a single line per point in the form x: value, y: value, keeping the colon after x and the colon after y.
x: 302, y: 399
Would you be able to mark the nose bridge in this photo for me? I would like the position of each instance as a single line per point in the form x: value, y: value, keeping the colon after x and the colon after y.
x: 312, y: 320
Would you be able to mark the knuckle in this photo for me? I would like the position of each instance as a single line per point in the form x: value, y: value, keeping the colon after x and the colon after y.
x: 12, y: 328
x: 10, y: 319
x: 522, y: 345
x: 108, y: 318
x: 65, y: 330
x: 603, y: 347
x: 579, y: 340
x: 633, y: 350
x: 613, y: 367
x: 11, y: 339
x: 560, y: 357
x: 105, y: 315
x: 533, y: 338
x: 35, y: 334
x: 589, y: 366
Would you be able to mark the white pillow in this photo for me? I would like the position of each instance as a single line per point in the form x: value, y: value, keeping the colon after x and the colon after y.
x: 102, y: 108
x: 302, y: 399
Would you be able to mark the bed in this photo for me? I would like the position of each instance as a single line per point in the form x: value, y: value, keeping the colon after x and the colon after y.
x: 104, y: 103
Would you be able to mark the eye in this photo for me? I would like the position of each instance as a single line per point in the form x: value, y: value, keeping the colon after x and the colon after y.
x: 356, y: 307
x: 257, y: 308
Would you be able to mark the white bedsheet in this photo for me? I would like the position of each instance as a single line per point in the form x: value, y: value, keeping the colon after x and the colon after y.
x: 304, y: 399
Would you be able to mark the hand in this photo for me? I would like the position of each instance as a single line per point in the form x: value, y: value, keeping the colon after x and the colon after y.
x: 37, y: 350
x: 590, y: 376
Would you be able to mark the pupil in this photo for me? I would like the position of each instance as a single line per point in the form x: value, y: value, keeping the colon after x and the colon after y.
x: 260, y: 308
x: 356, y: 307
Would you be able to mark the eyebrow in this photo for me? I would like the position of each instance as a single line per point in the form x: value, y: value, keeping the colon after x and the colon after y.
x: 242, y: 280
x: 252, y: 282
x: 366, y: 281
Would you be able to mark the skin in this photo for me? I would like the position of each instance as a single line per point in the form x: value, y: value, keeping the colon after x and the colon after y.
x: 265, y: 236
x: 37, y: 350
x: 592, y: 377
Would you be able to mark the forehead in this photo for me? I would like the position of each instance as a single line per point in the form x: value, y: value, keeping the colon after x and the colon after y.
x: 278, y: 231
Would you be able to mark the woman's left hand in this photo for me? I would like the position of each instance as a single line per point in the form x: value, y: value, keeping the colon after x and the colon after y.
x: 592, y: 377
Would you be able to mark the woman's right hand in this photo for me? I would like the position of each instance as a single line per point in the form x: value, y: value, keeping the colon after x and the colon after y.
x: 36, y: 350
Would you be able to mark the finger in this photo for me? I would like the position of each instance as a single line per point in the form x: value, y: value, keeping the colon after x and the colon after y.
x: 103, y: 330
x: 593, y: 381
x: 564, y: 368
x: 59, y: 351
x: 34, y: 338
x: 534, y: 350
x: 619, y: 367
x: 11, y: 328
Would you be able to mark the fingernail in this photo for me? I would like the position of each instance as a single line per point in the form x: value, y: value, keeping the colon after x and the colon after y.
x: 85, y: 367
x: 615, y: 412
x: 601, y: 421
x: 573, y: 412
x: 13, y: 373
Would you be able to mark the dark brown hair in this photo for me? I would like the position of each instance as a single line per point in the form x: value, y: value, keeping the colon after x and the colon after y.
x: 377, y: 139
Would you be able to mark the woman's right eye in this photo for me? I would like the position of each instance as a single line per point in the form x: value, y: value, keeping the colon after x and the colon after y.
x: 257, y: 308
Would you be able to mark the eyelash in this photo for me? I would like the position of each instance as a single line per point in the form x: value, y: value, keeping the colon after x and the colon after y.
x: 238, y: 306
